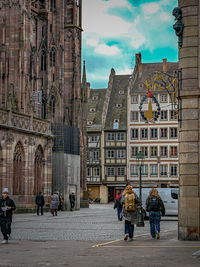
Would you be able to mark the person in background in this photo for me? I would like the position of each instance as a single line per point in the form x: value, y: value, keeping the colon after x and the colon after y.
x: 72, y: 200
x: 54, y: 204
x: 7, y: 205
x: 61, y: 200
x: 155, y: 206
x: 118, y: 205
x: 39, y: 200
x: 130, y: 203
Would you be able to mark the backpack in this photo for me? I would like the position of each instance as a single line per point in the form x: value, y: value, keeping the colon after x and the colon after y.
x: 130, y: 202
x: 154, y: 204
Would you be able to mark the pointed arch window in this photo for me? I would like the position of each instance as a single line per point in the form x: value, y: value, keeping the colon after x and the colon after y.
x: 38, y: 170
x: 53, y: 57
x: 18, y: 170
x: 43, y: 60
x: 52, y: 106
x: 53, y: 5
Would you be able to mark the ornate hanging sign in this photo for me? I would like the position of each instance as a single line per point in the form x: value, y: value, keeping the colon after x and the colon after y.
x: 149, y: 115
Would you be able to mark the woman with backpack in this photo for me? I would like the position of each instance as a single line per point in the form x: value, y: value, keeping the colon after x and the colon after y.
x: 155, y: 206
x: 130, y: 202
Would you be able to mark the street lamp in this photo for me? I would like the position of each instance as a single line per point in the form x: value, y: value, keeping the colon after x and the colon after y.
x: 140, y: 161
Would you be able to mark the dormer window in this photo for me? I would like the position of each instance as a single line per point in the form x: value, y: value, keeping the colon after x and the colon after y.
x: 95, y: 97
x: 89, y: 122
x: 121, y: 92
x: 92, y: 110
x: 119, y: 106
x: 116, y: 120
x: 140, y: 85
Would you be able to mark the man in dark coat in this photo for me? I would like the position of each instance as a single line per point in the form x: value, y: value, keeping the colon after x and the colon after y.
x: 39, y: 200
x: 72, y: 200
x: 7, y: 206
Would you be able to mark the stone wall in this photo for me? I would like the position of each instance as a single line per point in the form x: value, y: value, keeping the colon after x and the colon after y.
x: 189, y: 200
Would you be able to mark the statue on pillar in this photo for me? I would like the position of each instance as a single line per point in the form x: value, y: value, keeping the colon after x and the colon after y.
x: 178, y: 26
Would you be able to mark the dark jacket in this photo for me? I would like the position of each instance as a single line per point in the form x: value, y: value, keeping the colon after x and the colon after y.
x: 72, y: 198
x: 161, y: 206
x: 118, y: 203
x: 7, y: 202
x: 39, y: 200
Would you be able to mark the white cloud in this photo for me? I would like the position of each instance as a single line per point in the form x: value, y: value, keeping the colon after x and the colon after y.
x: 96, y: 20
x: 107, y: 50
x: 164, y: 16
x: 92, y: 42
x: 137, y: 38
x: 150, y: 8
x: 126, y: 71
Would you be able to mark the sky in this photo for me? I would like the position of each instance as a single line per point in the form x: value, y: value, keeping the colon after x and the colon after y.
x: 115, y: 30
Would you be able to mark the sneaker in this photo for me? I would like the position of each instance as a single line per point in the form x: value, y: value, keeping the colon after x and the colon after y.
x: 130, y: 239
x: 4, y: 242
x: 126, y: 237
x: 157, y: 235
x: 9, y: 236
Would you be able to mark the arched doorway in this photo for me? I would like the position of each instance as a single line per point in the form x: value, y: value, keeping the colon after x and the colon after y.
x: 38, y: 170
x: 18, y: 170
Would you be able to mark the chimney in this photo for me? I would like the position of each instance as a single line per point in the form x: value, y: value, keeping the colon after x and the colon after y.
x: 164, y: 64
x: 138, y: 58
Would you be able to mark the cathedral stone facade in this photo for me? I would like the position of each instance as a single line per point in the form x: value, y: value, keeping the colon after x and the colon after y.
x: 40, y: 89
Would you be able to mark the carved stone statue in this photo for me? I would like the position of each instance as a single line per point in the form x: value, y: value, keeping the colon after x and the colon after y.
x: 178, y: 26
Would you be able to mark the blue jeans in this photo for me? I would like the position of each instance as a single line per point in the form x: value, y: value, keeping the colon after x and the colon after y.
x: 154, y: 220
x: 119, y: 210
x: 129, y: 228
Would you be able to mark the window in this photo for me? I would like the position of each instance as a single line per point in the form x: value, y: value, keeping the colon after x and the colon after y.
x: 93, y: 138
x: 173, y: 132
x: 88, y: 172
x: 96, y: 172
x: 110, y: 137
x: 163, y: 115
x: 110, y: 171
x: 134, y: 115
x: 53, y: 5
x: 163, y: 170
x: 134, y: 151
x: 110, y: 153
x: 163, y: 98
x: 95, y: 155
x: 140, y: 85
x: 89, y: 122
x: 120, y: 153
x: 144, y: 170
x: 50, y: 28
x: 120, y: 137
x: 173, y: 170
x: 146, y: 100
x: 134, y: 170
x: 154, y: 133
x: 173, y: 151
x: 154, y: 169
x: 154, y: 151
x: 118, y: 105
x: 144, y: 150
x: 134, y: 99
x: 174, y: 193
x: 144, y: 133
x: 52, y: 57
x: 163, y: 133
x: 121, y: 92
x: 163, y: 151
x: 134, y: 134
x: 43, y: 60
x: 95, y: 97
x: 173, y: 115
x: 92, y: 110
x: 120, y: 171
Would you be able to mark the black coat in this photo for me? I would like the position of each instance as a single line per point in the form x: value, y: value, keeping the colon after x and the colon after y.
x: 9, y: 203
x: 161, y: 205
x: 39, y: 200
x: 72, y: 198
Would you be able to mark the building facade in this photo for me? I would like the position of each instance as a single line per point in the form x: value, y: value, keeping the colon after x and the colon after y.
x: 40, y: 85
x: 107, y: 135
x: 157, y: 140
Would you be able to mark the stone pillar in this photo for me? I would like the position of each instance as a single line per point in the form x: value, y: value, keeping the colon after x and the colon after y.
x: 189, y: 133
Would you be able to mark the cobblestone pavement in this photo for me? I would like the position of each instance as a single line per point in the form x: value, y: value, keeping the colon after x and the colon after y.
x: 98, y: 223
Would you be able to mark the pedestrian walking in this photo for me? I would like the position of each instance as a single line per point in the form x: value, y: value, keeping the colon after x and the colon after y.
x: 39, y: 200
x: 7, y: 205
x: 155, y: 207
x: 130, y: 203
x: 54, y: 204
x: 118, y: 205
x: 61, y: 201
x: 72, y: 200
